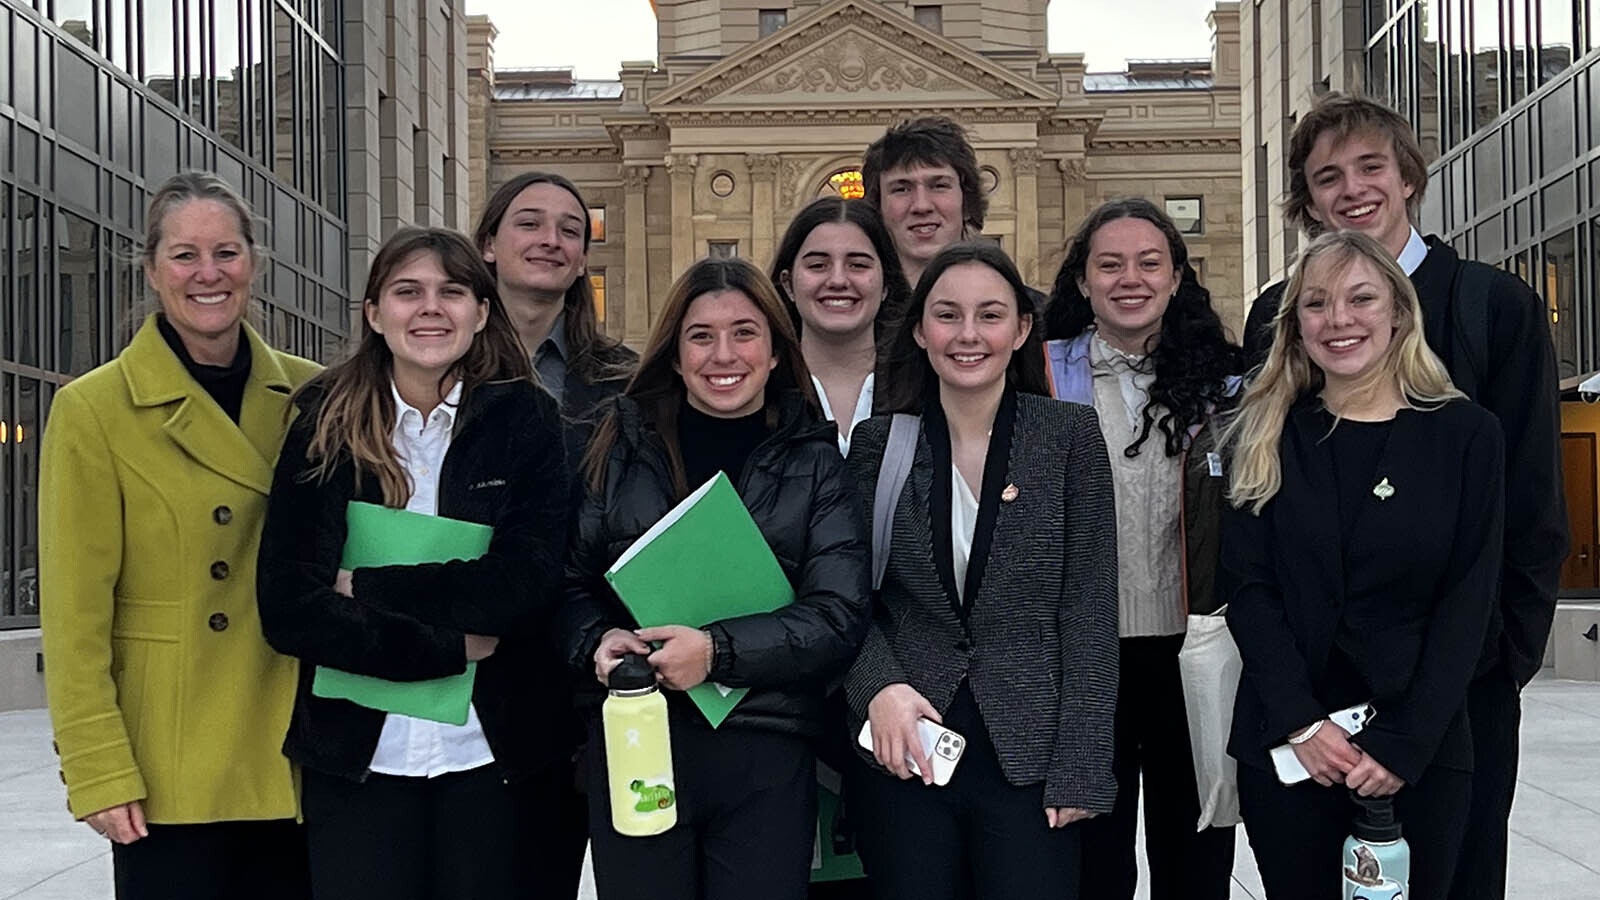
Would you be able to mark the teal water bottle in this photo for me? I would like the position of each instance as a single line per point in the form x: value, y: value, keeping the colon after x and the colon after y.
x: 638, y: 751
x: 1377, y: 860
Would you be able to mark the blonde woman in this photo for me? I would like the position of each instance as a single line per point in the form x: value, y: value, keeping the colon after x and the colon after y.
x: 1360, y: 560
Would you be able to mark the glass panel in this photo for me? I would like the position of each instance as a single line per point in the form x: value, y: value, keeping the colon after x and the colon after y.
x: 1515, y: 24
x: 1379, y: 85
x: 24, y: 267
x: 26, y: 66
x: 1485, y: 62
x: 76, y: 89
x: 160, y: 66
x: 80, y: 181
x: 1430, y: 111
x: 25, y: 447
x: 27, y: 154
x: 8, y: 566
x: 77, y: 262
x: 597, y: 286
x: 195, y: 99
x: 332, y: 133
x: 8, y: 330
x: 1561, y: 202
x: 117, y: 33
x: 76, y: 18
x: 1521, y: 152
x: 121, y: 135
x: 1488, y: 177
x: 161, y: 145
x: 1556, y: 114
x: 127, y: 290
x: 1559, y: 287
x: 1555, y: 38
x: 225, y: 47
x: 283, y: 94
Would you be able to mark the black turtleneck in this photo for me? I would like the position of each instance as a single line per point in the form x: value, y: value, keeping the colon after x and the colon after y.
x: 226, y: 383
x: 710, y: 444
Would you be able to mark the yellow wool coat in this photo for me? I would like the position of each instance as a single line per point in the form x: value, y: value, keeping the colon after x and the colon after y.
x: 161, y: 686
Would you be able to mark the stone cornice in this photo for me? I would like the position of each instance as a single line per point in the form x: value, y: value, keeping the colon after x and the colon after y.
x: 884, y: 115
x: 1130, y: 145
x: 530, y: 153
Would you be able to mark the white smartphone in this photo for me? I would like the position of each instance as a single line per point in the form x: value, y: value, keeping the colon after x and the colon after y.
x: 1352, y: 719
x: 943, y: 746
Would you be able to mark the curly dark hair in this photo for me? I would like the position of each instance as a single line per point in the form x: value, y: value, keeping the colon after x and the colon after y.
x: 1193, y: 355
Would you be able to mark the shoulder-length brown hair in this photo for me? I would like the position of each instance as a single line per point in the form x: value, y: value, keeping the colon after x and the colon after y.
x: 357, y: 414
x: 592, y: 355
x: 658, y: 388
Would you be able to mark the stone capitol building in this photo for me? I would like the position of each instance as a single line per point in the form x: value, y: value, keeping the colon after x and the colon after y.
x: 755, y: 107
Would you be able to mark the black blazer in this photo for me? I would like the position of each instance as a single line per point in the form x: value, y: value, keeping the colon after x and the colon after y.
x: 1038, y: 643
x: 1412, y: 591
x: 505, y: 468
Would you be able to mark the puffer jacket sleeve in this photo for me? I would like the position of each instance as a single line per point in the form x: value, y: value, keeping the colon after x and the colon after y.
x: 816, y: 636
x: 586, y: 612
x: 1080, y: 767
x: 302, y: 615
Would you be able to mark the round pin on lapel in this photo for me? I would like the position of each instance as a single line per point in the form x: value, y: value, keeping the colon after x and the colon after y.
x: 1383, y: 490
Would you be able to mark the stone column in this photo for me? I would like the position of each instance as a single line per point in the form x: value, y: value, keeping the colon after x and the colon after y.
x: 1025, y: 171
x: 636, y: 283
x: 680, y: 167
x: 763, y: 201
x: 1073, y: 202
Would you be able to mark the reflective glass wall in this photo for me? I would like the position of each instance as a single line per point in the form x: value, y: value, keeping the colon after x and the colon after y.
x: 1501, y: 94
x: 100, y: 101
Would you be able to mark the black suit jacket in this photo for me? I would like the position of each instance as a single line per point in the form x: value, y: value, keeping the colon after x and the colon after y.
x: 1521, y: 388
x: 1038, y: 643
x: 1406, y: 602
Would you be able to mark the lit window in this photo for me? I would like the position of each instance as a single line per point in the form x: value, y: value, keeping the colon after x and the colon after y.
x: 597, y: 286
x: 929, y: 17
x: 771, y: 20
x: 722, y: 249
x: 597, y: 224
x: 1188, y: 213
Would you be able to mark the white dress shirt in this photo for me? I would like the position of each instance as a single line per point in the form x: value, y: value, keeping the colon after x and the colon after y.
x: 862, y: 412
x: 963, y: 525
x: 418, y: 747
x: 1412, y: 255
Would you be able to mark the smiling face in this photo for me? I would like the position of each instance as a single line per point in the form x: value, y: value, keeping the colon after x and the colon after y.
x: 725, y: 354
x: 837, y: 280
x: 1356, y: 185
x: 922, y: 208
x: 1130, y: 279
x: 1347, y: 316
x: 538, y: 248
x: 427, y: 318
x: 201, y: 270
x: 970, y: 328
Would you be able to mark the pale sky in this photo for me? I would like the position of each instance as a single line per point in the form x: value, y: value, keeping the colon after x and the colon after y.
x: 595, y: 36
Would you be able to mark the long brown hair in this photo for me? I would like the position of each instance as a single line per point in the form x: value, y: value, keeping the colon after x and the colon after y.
x: 357, y: 414
x: 658, y: 388
x: 593, y: 356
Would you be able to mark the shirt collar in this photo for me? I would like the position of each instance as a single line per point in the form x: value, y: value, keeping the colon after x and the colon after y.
x: 556, y: 340
x: 1411, y: 257
x: 445, y: 412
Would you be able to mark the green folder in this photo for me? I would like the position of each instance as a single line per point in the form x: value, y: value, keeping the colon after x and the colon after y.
x: 705, y: 560
x: 380, y: 536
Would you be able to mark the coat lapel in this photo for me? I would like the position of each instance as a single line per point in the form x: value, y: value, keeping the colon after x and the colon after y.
x: 1312, y: 512
x: 240, y: 453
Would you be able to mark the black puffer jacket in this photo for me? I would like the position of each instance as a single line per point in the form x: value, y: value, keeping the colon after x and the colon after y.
x: 797, y: 490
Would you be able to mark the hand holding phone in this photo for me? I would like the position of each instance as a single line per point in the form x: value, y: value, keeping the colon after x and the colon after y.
x: 1352, y: 719
x: 942, y: 747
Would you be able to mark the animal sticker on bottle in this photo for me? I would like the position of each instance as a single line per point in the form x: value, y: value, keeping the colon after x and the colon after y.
x: 652, y: 797
x: 1366, y: 881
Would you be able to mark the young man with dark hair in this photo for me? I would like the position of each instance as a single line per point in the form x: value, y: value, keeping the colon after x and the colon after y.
x: 922, y: 175
x: 1356, y: 164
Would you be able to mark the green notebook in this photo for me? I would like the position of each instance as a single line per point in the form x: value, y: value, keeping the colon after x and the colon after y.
x: 705, y: 560
x: 380, y: 536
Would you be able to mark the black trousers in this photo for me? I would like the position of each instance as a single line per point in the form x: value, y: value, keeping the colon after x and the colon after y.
x: 214, y: 861
x: 553, y: 829
x: 747, y: 819
x: 453, y: 837
x: 979, y: 836
x: 1298, y: 832
x: 1494, y: 707
x: 1152, y: 739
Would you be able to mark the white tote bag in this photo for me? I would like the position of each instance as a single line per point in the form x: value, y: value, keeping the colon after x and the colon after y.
x: 1210, y: 666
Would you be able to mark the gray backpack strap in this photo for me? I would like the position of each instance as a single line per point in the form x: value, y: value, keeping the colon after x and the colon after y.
x: 892, y: 472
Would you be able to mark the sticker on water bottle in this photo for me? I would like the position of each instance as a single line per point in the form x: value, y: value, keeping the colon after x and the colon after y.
x: 652, y: 797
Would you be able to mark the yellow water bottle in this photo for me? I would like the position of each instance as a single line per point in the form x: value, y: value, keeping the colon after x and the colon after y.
x: 638, y: 751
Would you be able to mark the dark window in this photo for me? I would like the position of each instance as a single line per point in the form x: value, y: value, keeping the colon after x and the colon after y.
x: 770, y: 20
x: 722, y: 249
x: 929, y: 17
x: 1558, y: 285
x: 1188, y: 213
x: 597, y: 224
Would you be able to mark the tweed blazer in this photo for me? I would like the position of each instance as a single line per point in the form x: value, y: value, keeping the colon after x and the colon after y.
x: 1038, y: 645
x: 161, y: 687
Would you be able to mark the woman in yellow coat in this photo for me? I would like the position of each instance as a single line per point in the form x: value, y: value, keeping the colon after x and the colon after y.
x: 168, y: 706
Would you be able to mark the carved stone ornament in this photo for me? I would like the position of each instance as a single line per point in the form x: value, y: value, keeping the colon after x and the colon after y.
x: 1025, y: 160
x: 681, y: 165
x: 762, y: 165
x: 1073, y: 171
x: 635, y: 178
x: 850, y: 64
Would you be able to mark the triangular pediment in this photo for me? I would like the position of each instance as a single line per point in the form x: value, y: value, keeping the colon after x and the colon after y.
x: 853, y: 53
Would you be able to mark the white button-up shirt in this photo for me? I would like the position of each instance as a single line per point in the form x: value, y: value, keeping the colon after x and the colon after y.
x: 419, y: 747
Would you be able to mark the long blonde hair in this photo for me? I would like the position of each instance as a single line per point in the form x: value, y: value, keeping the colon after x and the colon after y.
x: 1256, y: 428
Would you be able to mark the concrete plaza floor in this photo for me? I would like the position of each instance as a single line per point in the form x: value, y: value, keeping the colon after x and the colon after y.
x: 44, y: 855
